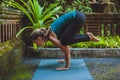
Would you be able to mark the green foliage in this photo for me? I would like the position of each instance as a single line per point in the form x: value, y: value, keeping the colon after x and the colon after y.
x: 3, y: 3
x: 80, y: 5
x: 50, y: 44
x: 105, y: 42
x: 21, y: 72
x: 38, y: 15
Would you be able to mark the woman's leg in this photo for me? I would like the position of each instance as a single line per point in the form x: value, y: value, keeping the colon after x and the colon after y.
x: 78, y: 38
x: 69, y: 35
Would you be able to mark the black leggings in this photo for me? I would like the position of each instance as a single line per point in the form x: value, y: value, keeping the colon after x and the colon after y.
x: 70, y: 35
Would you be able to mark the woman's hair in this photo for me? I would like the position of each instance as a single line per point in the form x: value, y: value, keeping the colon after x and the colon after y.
x: 38, y: 33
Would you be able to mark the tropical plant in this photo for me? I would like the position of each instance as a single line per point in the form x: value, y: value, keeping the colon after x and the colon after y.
x: 80, y: 5
x: 38, y: 15
x: 105, y: 42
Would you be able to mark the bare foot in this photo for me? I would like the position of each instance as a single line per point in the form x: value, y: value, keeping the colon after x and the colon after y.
x: 92, y: 37
x: 62, y: 68
x: 61, y: 61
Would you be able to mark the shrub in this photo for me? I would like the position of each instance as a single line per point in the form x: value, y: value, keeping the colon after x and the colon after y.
x: 105, y: 42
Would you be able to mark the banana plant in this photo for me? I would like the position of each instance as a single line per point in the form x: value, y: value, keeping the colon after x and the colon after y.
x: 39, y: 16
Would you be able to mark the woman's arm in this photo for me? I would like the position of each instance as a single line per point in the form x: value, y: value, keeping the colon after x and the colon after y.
x: 65, y: 49
x: 56, y: 42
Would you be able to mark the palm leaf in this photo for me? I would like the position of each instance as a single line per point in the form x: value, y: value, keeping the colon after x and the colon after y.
x: 49, y: 9
x: 20, y: 7
x: 38, y: 10
x: 21, y: 30
x: 50, y: 13
x: 48, y: 22
x: 32, y: 6
x: 29, y: 8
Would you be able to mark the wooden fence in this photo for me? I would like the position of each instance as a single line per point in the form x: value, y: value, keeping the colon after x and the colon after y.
x: 9, y: 23
x: 103, y: 24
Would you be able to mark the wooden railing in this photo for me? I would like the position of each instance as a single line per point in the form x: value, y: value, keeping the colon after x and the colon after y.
x: 103, y: 24
x: 10, y: 23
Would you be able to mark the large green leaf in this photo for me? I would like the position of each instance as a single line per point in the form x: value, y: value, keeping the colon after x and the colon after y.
x: 21, y: 30
x: 38, y: 10
x: 24, y: 10
x: 50, y: 13
x: 29, y: 8
x: 52, y: 6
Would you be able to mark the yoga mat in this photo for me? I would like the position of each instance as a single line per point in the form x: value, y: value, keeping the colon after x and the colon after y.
x: 77, y: 71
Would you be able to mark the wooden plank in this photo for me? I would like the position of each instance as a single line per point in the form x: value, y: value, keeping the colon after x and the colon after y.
x: 106, y: 29
x: 5, y: 32
x: 118, y: 29
x: 11, y: 31
x: 112, y: 29
x: 0, y: 33
x: 102, y: 21
x: 14, y: 30
x: 85, y: 29
x: 9, y: 11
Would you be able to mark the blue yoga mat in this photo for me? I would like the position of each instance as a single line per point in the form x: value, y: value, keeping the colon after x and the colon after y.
x: 77, y: 71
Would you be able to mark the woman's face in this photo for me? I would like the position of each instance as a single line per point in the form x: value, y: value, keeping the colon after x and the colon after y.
x: 39, y: 41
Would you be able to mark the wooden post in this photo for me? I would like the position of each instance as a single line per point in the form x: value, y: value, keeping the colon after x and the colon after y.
x: 85, y: 28
x: 8, y: 27
x: 112, y: 29
x: 5, y: 32
x: 106, y: 29
x: 0, y: 33
x: 11, y: 31
x: 118, y: 29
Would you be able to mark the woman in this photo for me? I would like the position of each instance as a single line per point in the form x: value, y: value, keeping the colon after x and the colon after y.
x: 63, y: 32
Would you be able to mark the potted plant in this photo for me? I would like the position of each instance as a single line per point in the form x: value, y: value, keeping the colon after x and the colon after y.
x: 39, y: 16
